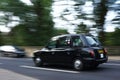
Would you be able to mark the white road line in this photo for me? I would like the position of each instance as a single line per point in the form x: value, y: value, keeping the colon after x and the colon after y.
x: 8, y: 58
x: 1, y: 63
x: 112, y: 64
x: 49, y: 69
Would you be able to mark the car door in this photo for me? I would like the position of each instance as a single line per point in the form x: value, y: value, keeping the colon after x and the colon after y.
x: 63, y: 50
x: 48, y: 51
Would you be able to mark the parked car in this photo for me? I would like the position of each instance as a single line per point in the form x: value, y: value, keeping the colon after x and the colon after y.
x: 78, y: 50
x: 12, y: 51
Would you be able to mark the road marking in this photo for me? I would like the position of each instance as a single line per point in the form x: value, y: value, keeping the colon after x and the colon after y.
x: 8, y: 58
x: 1, y: 63
x: 49, y: 69
x: 112, y: 64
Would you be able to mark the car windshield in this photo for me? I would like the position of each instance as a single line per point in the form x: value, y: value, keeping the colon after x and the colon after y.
x: 92, y: 41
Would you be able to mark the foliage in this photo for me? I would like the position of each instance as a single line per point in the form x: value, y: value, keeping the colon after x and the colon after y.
x: 100, y: 12
x: 60, y: 32
x: 43, y: 29
x: 113, y: 38
x: 101, y: 9
x: 14, y: 8
x: 36, y: 25
x: 1, y: 40
x: 31, y: 37
x: 82, y: 28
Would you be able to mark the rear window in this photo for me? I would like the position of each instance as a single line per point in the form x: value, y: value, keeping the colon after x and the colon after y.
x: 92, y: 41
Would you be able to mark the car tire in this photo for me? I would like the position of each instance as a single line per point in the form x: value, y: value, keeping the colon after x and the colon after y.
x: 78, y: 64
x: 38, y: 61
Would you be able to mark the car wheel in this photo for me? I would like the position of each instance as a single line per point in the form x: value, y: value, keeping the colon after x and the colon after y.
x: 38, y: 62
x: 78, y: 64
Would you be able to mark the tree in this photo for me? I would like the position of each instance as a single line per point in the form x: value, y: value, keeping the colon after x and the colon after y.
x: 44, y: 24
x: 77, y: 14
x: 116, y: 37
x: 101, y: 7
x: 59, y: 32
x: 116, y: 20
x: 113, y: 38
x: 35, y: 21
x: 14, y: 8
x: 82, y: 28
x: 100, y: 12
x: 1, y: 41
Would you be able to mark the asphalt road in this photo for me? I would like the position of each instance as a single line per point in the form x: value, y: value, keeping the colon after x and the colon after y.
x: 24, y: 69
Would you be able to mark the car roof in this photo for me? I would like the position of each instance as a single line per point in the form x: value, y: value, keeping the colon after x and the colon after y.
x: 71, y: 35
x: 82, y: 35
x: 59, y: 36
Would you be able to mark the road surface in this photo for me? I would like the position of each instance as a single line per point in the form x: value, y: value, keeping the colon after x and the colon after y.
x: 24, y: 69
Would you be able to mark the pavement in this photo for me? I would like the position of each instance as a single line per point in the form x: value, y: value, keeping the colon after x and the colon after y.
x: 114, y: 57
x: 10, y: 75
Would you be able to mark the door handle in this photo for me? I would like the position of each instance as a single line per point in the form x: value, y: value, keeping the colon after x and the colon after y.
x: 53, y: 53
x: 68, y: 53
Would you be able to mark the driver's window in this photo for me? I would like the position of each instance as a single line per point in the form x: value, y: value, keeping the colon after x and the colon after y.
x: 51, y: 44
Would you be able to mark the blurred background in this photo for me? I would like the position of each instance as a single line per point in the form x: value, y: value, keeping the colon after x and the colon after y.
x: 34, y: 22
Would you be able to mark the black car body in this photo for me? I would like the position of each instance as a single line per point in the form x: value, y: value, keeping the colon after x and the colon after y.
x: 79, y: 50
x: 12, y: 51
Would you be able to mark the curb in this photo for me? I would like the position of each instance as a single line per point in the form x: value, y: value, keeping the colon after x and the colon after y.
x: 114, y: 57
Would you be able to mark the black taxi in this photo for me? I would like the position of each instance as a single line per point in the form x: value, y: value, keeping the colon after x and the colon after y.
x: 77, y: 50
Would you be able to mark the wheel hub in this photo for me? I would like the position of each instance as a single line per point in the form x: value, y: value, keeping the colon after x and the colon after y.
x: 77, y: 64
x: 38, y: 60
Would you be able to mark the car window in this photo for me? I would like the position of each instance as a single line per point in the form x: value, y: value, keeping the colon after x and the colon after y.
x: 7, y: 48
x: 64, y: 42
x: 92, y: 41
x: 77, y: 42
x: 51, y: 44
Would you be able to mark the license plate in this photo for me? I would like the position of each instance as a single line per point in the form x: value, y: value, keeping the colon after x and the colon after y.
x: 101, y: 56
x: 100, y: 51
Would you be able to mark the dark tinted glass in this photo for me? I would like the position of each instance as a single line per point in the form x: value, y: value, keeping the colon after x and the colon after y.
x: 64, y: 42
x: 51, y: 44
